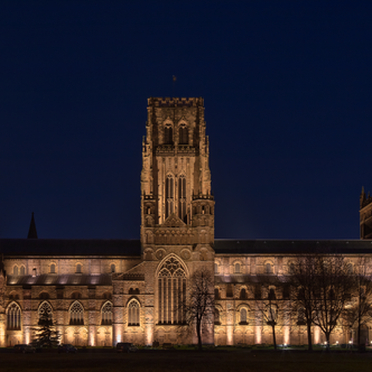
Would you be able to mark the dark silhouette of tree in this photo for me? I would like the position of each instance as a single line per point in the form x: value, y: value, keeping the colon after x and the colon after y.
x: 46, y: 334
x: 358, y: 310
x: 272, y: 306
x: 198, y: 306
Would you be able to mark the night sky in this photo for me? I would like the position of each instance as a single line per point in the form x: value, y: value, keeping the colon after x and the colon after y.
x: 287, y: 88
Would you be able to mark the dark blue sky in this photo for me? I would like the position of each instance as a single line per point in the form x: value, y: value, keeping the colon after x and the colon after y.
x: 287, y: 88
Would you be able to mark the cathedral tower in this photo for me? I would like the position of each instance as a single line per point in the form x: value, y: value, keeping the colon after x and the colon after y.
x: 177, y: 206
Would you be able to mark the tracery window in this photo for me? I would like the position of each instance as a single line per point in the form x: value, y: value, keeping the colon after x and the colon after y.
x: 182, y: 198
x: 169, y: 196
x: 168, y: 134
x: 106, y: 314
x: 243, y: 316
x: 76, y: 314
x: 14, y: 317
x: 45, y: 308
x: 133, y: 313
x: 171, y: 292
x: 183, y: 135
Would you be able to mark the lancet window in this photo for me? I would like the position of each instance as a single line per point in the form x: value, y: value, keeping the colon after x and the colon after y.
x: 168, y: 134
x: 76, y: 314
x: 171, y: 292
x: 183, y: 135
x: 243, y: 316
x: 169, y: 196
x: 14, y: 317
x: 133, y: 313
x: 106, y: 314
x: 23, y: 270
x: 182, y: 198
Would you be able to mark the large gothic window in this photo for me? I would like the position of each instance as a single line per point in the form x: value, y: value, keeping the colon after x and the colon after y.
x: 183, y: 135
x: 171, y: 292
x: 76, y: 314
x: 133, y: 313
x: 45, y: 308
x: 182, y: 198
x: 14, y: 317
x: 106, y: 314
x: 169, y: 196
x: 168, y: 134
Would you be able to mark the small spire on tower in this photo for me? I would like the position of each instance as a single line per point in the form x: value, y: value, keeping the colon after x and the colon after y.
x: 32, y: 233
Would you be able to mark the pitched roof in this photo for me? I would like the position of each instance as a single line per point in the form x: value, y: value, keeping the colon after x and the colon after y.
x: 70, y: 247
x: 231, y: 246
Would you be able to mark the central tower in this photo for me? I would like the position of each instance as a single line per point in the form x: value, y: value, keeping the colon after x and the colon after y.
x: 177, y: 206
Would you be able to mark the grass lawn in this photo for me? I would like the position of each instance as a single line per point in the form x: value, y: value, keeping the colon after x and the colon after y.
x: 190, y: 361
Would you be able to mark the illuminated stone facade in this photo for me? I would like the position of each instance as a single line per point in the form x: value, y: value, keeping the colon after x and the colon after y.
x: 101, y: 292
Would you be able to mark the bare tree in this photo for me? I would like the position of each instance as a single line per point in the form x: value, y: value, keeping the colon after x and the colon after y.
x: 198, y: 307
x: 270, y: 303
x: 302, y: 280
x: 333, y: 284
x: 358, y: 311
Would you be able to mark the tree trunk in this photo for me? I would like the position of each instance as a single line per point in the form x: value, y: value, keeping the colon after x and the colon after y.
x: 198, y: 332
x: 274, y: 335
x: 327, y: 334
x: 309, y: 340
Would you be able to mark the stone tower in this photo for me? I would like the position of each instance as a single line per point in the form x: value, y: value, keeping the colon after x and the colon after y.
x: 365, y: 213
x: 177, y: 206
x: 177, y: 213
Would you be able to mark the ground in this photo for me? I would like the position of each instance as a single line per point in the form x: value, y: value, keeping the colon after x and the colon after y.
x: 190, y: 361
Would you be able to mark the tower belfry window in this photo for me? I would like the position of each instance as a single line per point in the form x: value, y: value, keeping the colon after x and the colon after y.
x: 183, y: 135
x: 169, y: 196
x: 168, y: 134
x: 182, y: 198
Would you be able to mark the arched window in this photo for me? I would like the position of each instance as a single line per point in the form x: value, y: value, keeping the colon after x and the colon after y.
x: 78, y: 268
x: 15, y: 270
x: 44, y: 295
x: 76, y: 314
x: 272, y: 313
x: 169, y: 196
x: 168, y: 134
x: 112, y: 268
x: 217, y: 320
x: 182, y: 198
x: 243, y: 316
x: 133, y: 313
x: 216, y: 268
x: 268, y: 268
x: 291, y: 268
x: 14, y: 317
x: 45, y: 310
x: 23, y: 270
x: 106, y: 314
x: 237, y: 268
x: 350, y: 268
x: 217, y: 294
x: 53, y: 268
x: 183, y: 135
x: 301, y: 316
x: 171, y: 292
x: 243, y: 294
x: 271, y: 294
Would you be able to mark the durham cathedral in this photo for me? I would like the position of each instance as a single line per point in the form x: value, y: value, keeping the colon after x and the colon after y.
x: 101, y: 292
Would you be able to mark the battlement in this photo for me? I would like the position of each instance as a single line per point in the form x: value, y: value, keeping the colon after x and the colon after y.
x: 365, y: 199
x: 203, y: 197
x: 175, y: 101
